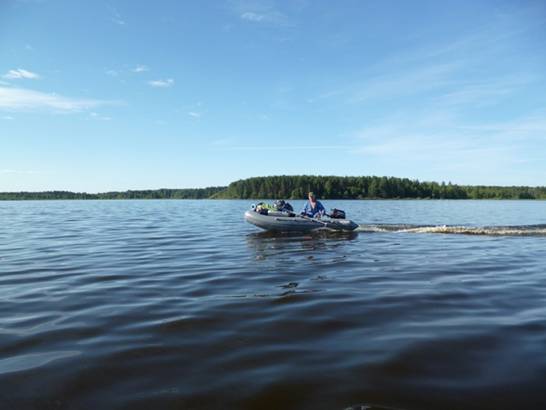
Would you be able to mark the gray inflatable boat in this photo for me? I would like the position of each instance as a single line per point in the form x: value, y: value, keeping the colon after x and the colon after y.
x: 290, y: 222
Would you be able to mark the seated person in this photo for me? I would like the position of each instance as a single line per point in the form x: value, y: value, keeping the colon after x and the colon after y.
x: 313, y: 208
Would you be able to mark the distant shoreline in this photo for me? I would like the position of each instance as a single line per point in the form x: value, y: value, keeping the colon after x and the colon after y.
x: 296, y: 187
x: 2, y: 199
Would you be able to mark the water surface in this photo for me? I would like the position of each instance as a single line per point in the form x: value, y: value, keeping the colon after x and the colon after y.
x: 180, y: 304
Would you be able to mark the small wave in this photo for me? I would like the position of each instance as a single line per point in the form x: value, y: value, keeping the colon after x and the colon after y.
x: 523, y: 230
x: 32, y: 360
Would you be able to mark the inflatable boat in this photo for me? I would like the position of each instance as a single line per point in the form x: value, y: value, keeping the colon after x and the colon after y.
x: 281, y: 221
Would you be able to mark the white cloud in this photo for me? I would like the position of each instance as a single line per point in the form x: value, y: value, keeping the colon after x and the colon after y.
x: 260, y: 12
x: 112, y: 73
x: 270, y: 16
x: 140, y: 69
x: 169, y: 82
x: 20, y: 73
x: 250, y: 16
x: 7, y: 117
x: 194, y: 114
x: 23, y: 99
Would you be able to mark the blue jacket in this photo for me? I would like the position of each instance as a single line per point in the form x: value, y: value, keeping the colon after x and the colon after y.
x: 312, y: 212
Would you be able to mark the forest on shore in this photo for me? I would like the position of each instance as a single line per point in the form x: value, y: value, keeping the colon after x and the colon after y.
x: 296, y: 187
x: 189, y: 193
x: 369, y: 187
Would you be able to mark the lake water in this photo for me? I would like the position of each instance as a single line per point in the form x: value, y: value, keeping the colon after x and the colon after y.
x: 181, y: 304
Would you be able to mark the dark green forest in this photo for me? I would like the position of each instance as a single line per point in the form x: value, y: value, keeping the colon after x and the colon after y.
x: 296, y: 187
x: 190, y: 193
x: 369, y: 187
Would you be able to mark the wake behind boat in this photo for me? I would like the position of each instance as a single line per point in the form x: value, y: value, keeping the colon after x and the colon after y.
x: 283, y: 219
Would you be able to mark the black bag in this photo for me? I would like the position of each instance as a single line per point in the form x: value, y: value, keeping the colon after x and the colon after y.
x: 337, y: 214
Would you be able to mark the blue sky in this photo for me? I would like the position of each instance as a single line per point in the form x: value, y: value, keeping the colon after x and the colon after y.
x: 114, y: 95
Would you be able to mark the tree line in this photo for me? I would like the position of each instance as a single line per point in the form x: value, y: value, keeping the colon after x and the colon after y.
x: 296, y: 187
x: 369, y: 187
x: 189, y: 193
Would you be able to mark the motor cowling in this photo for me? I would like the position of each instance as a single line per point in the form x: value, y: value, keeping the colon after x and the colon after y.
x: 337, y: 214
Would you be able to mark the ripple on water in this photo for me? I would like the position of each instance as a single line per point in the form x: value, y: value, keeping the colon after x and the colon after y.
x: 32, y: 360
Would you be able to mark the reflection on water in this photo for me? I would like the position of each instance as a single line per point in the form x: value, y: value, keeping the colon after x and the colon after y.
x: 273, y: 243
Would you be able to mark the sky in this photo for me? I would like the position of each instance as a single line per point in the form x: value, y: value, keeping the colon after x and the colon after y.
x: 116, y: 94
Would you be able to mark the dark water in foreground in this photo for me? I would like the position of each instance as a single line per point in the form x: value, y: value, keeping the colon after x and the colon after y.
x: 180, y: 304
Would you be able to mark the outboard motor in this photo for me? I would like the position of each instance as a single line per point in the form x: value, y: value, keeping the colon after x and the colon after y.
x: 283, y: 206
x: 337, y: 214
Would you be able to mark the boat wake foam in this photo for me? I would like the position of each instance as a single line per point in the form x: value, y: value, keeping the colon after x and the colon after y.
x: 523, y: 230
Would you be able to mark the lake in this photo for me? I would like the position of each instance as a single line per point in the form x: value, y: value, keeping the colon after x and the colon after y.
x: 180, y: 304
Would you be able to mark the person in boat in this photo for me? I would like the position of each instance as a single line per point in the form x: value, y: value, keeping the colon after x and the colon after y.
x: 313, y: 208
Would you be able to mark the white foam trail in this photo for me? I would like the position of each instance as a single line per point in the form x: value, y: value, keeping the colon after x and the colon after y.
x: 525, y: 230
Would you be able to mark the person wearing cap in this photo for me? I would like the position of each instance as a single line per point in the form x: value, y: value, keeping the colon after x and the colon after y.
x: 313, y: 208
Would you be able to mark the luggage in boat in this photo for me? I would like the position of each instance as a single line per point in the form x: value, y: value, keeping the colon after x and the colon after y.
x: 279, y: 205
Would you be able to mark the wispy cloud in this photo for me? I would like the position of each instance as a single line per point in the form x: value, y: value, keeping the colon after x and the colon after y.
x: 477, y: 153
x: 20, y: 73
x: 115, y: 17
x: 112, y: 73
x: 486, y: 91
x: 260, y: 12
x: 459, y: 67
x: 140, y: 69
x: 528, y: 128
x: 409, y: 82
x: 7, y: 117
x: 169, y: 82
x: 251, y: 16
x: 118, y: 21
x: 194, y: 114
x: 23, y: 99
